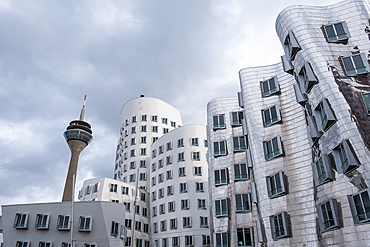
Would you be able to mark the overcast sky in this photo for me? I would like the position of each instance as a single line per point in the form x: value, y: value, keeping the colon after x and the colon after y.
x: 52, y: 53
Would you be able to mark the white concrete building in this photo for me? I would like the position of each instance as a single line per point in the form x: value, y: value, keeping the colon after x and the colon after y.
x: 48, y: 224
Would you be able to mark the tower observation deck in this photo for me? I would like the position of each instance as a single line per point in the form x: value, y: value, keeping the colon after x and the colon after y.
x: 78, y: 135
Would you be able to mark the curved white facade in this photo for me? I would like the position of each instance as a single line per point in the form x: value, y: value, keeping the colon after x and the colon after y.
x: 143, y: 120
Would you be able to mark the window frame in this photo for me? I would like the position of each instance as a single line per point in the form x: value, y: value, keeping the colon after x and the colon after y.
x: 243, y: 175
x: 272, y: 120
x: 221, y: 239
x: 220, y: 123
x: 356, y: 71
x: 322, y: 171
x: 306, y: 78
x: 218, y: 178
x: 221, y: 151
x: 272, y: 188
x: 336, y: 38
x: 221, y: 204
x: 186, y: 222
x: 173, y: 223
x: 330, y: 214
x: 83, y: 226
x: 21, y: 221
x: 246, y: 234
x: 366, y: 104
x: 291, y: 46
x: 45, y: 222
x: 273, y: 81
x: 238, y: 143
x: 245, y: 203
x: 355, y: 210
x: 324, y: 122
x: 236, y: 118
x: 274, y: 154
x: 64, y: 227
x: 282, y: 223
x: 349, y: 156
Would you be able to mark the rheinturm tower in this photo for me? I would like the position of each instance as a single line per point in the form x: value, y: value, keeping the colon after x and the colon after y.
x: 78, y: 135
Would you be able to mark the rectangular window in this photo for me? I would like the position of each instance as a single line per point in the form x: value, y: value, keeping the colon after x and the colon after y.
x: 154, y: 167
x: 186, y: 222
x: 202, y: 204
x: 145, y: 212
x: 182, y: 172
x: 322, y: 171
x: 154, y: 139
x: 173, y: 223
x: 337, y: 32
x: 155, y: 129
x: 279, y: 225
x: 132, y: 153
x: 160, y: 193
x: 360, y: 206
x: 165, y: 130
x: 219, y: 148
x: 125, y: 190
x: 113, y: 188
x: 138, y: 226
x: 85, y: 224
x: 194, y: 141
x: 189, y: 240
x: 160, y: 178
x: 142, y: 163
x: 221, y: 176
x: 127, y: 206
x: 133, y: 119
x: 132, y: 178
x: 163, y: 226
x: 95, y: 188
x: 206, y: 240
x: 197, y: 171
x: 146, y: 228
x: 243, y: 202
x: 219, y: 121
x: 123, y: 232
x: 27, y: 244
x: 269, y: 87
x: 345, y: 158
x: 291, y: 46
x: 133, y: 130
x: 160, y: 163
x: 183, y: 187
x: 306, y: 78
x: 169, y: 160
x: 143, y: 128
x: 164, y: 120
x: 143, y: 139
x: 236, y: 118
x: 132, y: 165
x: 153, y: 181
x: 195, y: 155
x: 154, y: 153
x: 42, y: 221
x: 128, y: 223
x: 168, y: 146
x: 155, y: 228
x: 366, y: 101
x: 143, y: 151
x: 271, y: 115
x: 173, y: 124
x: 143, y: 196
x: 21, y: 221
x: 245, y: 236
x: 143, y: 118
x: 221, y: 207
x: 154, y: 211
x: 240, y: 143
x: 272, y: 148
x: 185, y: 204
x: 324, y: 115
x: 154, y: 118
x: 221, y: 239
x: 355, y: 65
x: 49, y: 244
x: 139, y: 242
x: 275, y: 185
x: 175, y: 241
x: 63, y: 222
x: 128, y: 242
x: 169, y: 190
x: 180, y: 142
x: 240, y: 172
x: 160, y: 149
x: 114, y: 229
x: 171, y: 206
x: 199, y: 187
x: 328, y: 215
x: 168, y: 174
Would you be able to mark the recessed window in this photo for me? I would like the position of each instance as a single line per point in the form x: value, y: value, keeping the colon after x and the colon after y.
x: 154, y: 153
x: 25, y: 244
x: 324, y: 115
x: 366, y: 101
x: 180, y: 142
x: 197, y: 171
x: 168, y: 174
x: 337, y: 32
x: 154, y: 211
x: 279, y: 225
x: 322, y: 171
x: 132, y: 166
x: 240, y: 143
x: 49, y: 244
x: 169, y: 190
x: 132, y: 153
x: 114, y: 228
x: 221, y: 207
x: 195, y: 155
x: 185, y: 204
x: 183, y: 187
x: 345, y: 158
x: 161, y: 193
x: 219, y: 121
x: 143, y: 118
x: 128, y: 242
x: 169, y: 160
x: 186, y: 222
x: 155, y: 129
x: 143, y: 128
x: 21, y: 221
x: 85, y: 224
x: 202, y: 204
x: 154, y: 166
x: 355, y: 65
x: 154, y: 118
x: 168, y: 146
x: 203, y: 222
x: 173, y: 124
x: 269, y: 87
x: 276, y: 185
x: 165, y: 130
x: 142, y: 176
x: 328, y: 215
x: 182, y: 172
x: 271, y: 115
x: 360, y: 206
x: 194, y: 141
x: 180, y: 156
x: 206, y: 240
x: 95, y: 188
x: 306, y: 78
x: 221, y: 176
x: 128, y: 223
x: 146, y: 230
x: 173, y: 225
x: 160, y: 163
x: 199, y: 187
x: 163, y: 226
x: 272, y: 148
x: 142, y: 163
x: 42, y: 221
x: 63, y: 222
x: 133, y: 130
x: 138, y: 226
x: 291, y: 46
x: 240, y: 172
x: 127, y: 206
x: 219, y: 148
x: 189, y: 240
x: 236, y: 118
x: 221, y: 239
x: 243, y: 202
x: 245, y: 236
x: 164, y: 120
x: 145, y: 212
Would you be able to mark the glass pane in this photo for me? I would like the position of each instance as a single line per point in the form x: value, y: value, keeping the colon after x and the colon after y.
x: 237, y: 171
x: 215, y: 121
x: 339, y: 28
x: 359, y: 208
x: 265, y: 87
x: 266, y: 114
x: 222, y: 120
x: 348, y: 64
x: 275, y: 146
x: 222, y: 146
x: 366, y: 98
x: 243, y: 171
x: 224, y: 238
x: 272, y: 85
x: 358, y: 62
x: 330, y: 32
x: 273, y: 114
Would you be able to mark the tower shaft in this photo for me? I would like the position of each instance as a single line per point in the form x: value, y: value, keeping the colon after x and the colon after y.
x: 76, y: 147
